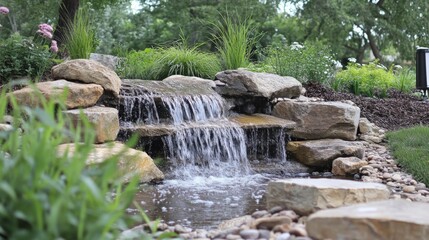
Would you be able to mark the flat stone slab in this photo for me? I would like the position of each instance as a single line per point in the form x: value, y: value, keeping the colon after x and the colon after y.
x: 391, y: 219
x: 261, y: 121
x: 306, y: 196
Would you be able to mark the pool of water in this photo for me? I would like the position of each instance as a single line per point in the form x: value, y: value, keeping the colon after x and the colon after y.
x: 204, y: 202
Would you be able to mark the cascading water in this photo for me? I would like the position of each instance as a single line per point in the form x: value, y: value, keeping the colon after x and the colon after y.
x: 210, y: 178
x: 204, y: 142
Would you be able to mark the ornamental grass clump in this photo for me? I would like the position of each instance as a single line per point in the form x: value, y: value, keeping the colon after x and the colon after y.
x: 138, y: 64
x: 184, y: 60
x: 80, y: 41
x: 44, y: 195
x: 234, y: 39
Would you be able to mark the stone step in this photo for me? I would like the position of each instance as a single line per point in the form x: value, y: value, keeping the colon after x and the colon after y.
x: 306, y: 196
x: 390, y: 219
x: 262, y: 121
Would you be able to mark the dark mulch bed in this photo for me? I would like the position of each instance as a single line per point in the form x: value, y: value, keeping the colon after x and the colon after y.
x: 396, y: 111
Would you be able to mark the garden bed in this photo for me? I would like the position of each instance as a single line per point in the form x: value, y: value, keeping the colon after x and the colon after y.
x: 397, y: 111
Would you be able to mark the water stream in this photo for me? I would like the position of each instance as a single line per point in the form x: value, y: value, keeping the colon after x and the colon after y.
x: 209, y: 177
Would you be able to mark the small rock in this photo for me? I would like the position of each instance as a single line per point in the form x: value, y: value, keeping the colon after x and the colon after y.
x: 387, y: 175
x: 287, y: 213
x: 181, y: 229
x: 282, y: 228
x: 276, y: 209
x: 283, y: 236
x: 233, y: 237
x: 298, y: 230
x: 409, y: 189
x: 270, y: 222
x: 396, y: 177
x: 259, y: 214
x: 264, y: 234
x: 249, y: 234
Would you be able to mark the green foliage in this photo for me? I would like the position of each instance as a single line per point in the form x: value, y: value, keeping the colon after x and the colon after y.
x: 411, y: 148
x: 234, y: 41
x: 22, y: 57
x: 183, y: 60
x: 47, y: 196
x: 370, y: 80
x: 80, y: 41
x: 312, y: 62
x: 157, y: 64
x: 405, y: 80
x: 138, y: 65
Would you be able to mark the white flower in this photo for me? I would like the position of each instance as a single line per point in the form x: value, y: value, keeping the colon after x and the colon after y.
x: 337, y: 64
x: 353, y: 60
x: 296, y: 46
x: 397, y: 67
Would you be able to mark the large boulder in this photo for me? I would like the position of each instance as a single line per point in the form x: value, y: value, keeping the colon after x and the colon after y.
x: 131, y: 162
x: 319, y: 120
x: 180, y: 80
x: 78, y: 95
x: 306, y: 196
x: 391, y: 219
x: 88, y: 71
x: 321, y: 153
x: 104, y: 120
x: 246, y: 83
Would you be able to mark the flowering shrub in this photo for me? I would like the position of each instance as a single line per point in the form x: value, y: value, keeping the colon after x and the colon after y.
x: 21, y: 57
x: 307, y: 63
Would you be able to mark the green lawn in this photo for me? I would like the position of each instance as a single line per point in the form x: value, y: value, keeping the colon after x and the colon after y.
x: 411, y: 148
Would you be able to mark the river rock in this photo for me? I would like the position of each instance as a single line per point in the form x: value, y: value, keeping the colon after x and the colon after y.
x: 235, y: 222
x: 88, y: 71
x: 347, y: 166
x: 104, y: 120
x: 131, y: 162
x: 318, y: 153
x: 319, y: 120
x: 180, y: 79
x: 78, y: 95
x: 391, y: 219
x: 245, y: 83
x: 270, y: 222
x: 306, y: 196
x: 249, y: 234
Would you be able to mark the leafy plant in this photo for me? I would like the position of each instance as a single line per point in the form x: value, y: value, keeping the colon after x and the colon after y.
x: 370, y: 80
x: 80, y: 41
x: 312, y: 62
x: 234, y: 40
x: 44, y: 195
x: 20, y: 56
x: 411, y: 148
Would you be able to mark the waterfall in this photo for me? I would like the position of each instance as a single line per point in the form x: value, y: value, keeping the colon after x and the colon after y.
x: 204, y: 142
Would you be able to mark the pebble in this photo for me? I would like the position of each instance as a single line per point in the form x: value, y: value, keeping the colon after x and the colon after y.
x: 249, y: 234
x: 259, y: 214
x: 283, y: 236
x: 264, y: 234
x: 276, y: 209
x: 396, y: 177
x: 409, y: 189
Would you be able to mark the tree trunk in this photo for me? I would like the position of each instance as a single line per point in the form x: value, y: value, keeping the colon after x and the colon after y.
x: 66, y: 13
x: 373, y: 45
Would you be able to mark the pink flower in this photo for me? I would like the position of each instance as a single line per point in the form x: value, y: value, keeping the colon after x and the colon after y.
x: 54, y: 47
x: 46, y: 27
x: 45, y: 33
x: 4, y: 10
